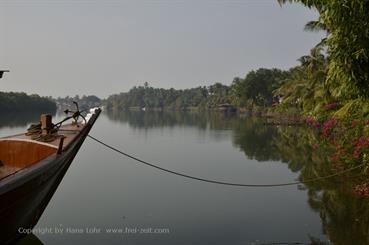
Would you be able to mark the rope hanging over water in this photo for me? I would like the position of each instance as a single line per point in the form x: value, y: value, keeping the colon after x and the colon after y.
x: 223, y: 182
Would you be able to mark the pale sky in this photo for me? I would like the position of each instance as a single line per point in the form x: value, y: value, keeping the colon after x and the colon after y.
x: 101, y: 47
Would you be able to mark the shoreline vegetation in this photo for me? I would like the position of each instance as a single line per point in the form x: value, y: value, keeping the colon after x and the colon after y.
x: 13, y: 102
x: 253, y: 93
x: 337, y: 200
x: 328, y: 91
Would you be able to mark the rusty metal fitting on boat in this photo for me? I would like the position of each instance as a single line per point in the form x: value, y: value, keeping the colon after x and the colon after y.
x: 46, y: 124
x: 60, y: 147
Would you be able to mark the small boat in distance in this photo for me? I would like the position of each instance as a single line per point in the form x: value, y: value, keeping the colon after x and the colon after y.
x: 31, y: 167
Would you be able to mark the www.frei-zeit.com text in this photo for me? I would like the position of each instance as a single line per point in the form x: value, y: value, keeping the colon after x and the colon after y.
x: 60, y: 230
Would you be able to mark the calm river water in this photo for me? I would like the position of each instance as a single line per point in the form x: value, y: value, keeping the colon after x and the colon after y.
x: 104, y: 192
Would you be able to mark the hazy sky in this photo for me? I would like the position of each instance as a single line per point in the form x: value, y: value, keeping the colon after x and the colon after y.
x: 68, y: 47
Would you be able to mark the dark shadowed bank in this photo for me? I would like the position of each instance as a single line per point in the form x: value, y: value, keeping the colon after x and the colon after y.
x: 21, y: 102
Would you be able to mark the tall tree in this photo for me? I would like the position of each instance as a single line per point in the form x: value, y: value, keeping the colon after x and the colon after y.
x: 347, y: 24
x: 304, y: 87
x: 257, y: 87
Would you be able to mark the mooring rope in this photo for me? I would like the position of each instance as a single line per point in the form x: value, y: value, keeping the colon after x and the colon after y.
x: 223, y: 182
x: 35, y: 132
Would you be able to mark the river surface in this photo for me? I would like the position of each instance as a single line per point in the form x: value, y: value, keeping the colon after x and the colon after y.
x: 104, y: 192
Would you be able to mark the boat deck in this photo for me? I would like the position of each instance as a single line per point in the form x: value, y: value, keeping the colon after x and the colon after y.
x: 69, y: 131
x: 20, y: 151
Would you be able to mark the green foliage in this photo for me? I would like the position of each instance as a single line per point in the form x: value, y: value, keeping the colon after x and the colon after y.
x: 304, y: 87
x: 159, y: 98
x: 347, y: 41
x: 343, y: 214
x: 12, y: 102
x: 84, y: 102
x: 218, y: 94
x: 255, y: 91
x: 331, y: 81
x: 257, y: 87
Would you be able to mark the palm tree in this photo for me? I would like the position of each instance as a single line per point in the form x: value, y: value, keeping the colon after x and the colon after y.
x: 305, y: 88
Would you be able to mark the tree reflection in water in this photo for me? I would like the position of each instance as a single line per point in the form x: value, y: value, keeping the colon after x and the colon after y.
x: 21, y: 119
x: 344, y: 217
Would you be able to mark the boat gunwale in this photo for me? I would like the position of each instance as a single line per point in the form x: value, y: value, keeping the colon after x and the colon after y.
x: 29, y: 141
x: 21, y: 176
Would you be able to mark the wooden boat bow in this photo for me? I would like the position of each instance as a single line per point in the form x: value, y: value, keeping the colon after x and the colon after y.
x: 30, y: 172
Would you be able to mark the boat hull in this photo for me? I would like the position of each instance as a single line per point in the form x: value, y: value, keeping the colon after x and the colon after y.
x: 24, y: 197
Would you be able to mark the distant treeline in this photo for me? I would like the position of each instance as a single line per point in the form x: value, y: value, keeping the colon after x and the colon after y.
x: 84, y: 102
x: 256, y: 89
x: 14, y: 102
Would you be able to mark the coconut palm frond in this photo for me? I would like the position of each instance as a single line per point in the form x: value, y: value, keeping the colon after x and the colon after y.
x: 315, y: 25
x: 281, y: 2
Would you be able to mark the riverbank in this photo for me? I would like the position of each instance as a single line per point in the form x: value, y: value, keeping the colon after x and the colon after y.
x: 22, y: 102
x: 345, y: 141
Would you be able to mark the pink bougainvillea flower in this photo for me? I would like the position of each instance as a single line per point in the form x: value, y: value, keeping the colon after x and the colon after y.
x: 327, y: 127
x: 361, y: 143
x: 362, y: 190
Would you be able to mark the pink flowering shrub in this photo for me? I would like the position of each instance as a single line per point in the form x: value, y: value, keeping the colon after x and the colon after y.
x: 311, y: 122
x: 361, y: 144
x: 328, y: 127
x: 362, y: 190
x: 348, y: 142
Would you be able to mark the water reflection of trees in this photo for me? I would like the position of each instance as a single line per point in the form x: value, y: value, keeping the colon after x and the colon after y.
x: 157, y: 119
x: 345, y: 217
x: 255, y: 139
x: 20, y: 119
